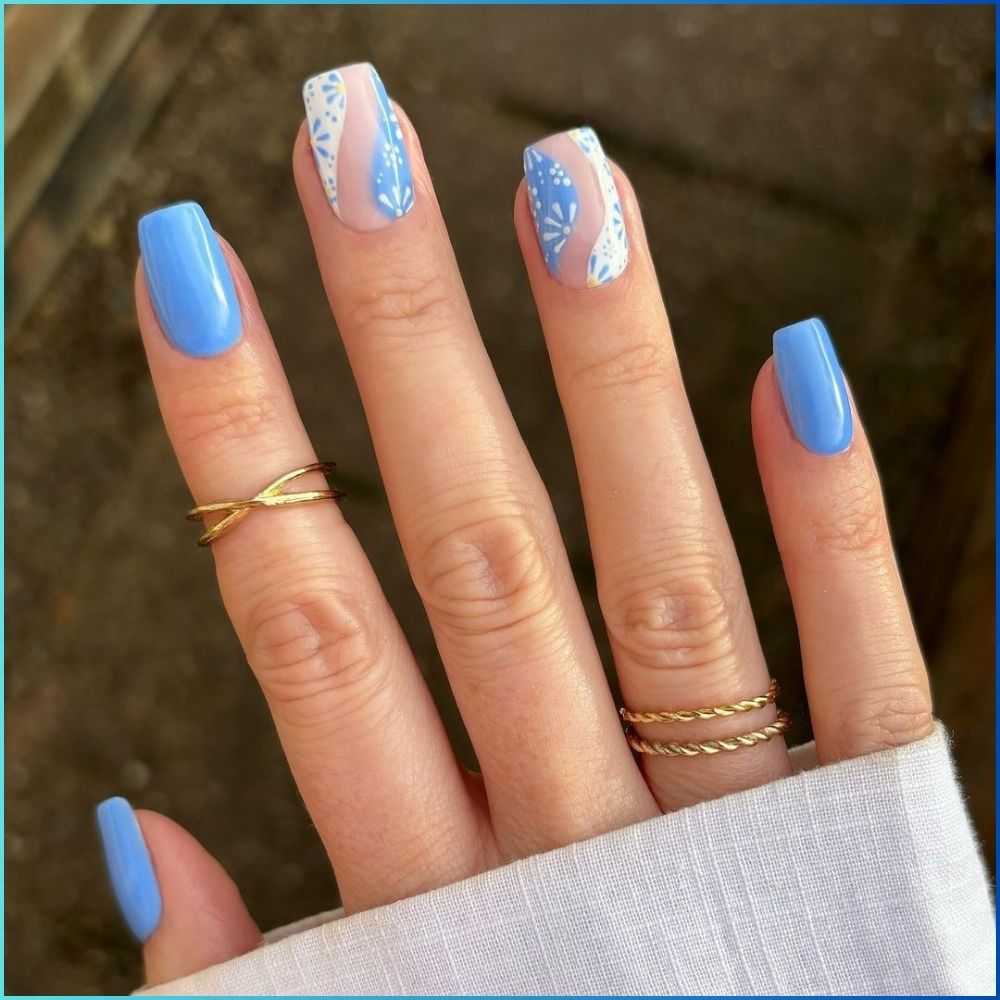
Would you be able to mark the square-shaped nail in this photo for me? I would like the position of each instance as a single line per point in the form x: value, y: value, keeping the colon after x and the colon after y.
x: 188, y: 280
x: 576, y: 208
x: 812, y: 386
x: 358, y: 147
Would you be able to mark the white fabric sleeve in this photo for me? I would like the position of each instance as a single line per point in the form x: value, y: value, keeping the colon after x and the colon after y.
x: 862, y: 877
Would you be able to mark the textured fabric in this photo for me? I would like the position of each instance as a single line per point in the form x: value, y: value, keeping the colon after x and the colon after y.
x: 859, y: 878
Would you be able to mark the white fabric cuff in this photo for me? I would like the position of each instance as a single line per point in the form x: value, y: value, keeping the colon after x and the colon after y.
x: 861, y: 877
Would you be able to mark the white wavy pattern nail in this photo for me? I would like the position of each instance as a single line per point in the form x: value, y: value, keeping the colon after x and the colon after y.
x: 358, y: 147
x: 576, y: 208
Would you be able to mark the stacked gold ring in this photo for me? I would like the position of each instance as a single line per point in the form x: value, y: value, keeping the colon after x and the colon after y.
x: 692, y: 749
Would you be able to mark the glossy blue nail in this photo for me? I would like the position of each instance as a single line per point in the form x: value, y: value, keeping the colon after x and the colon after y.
x: 188, y: 280
x: 130, y: 867
x: 358, y: 147
x: 812, y: 385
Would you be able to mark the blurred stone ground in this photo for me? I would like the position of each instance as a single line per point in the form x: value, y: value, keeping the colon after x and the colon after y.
x: 790, y: 161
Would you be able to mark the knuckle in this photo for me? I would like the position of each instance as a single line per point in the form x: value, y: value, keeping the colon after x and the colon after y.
x: 853, y: 525
x: 316, y: 654
x: 684, y: 623
x: 416, y: 300
x: 489, y: 576
x: 643, y: 365
x: 886, y: 718
x: 208, y: 419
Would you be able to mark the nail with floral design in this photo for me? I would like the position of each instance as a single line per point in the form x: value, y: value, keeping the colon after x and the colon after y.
x: 576, y: 208
x: 358, y: 146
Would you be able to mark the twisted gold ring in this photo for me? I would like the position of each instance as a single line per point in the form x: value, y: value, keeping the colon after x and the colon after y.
x: 762, y: 735
x: 270, y: 496
x: 691, y: 714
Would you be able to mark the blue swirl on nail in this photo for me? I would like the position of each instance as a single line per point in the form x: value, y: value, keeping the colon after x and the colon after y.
x: 392, y: 182
x: 554, y: 204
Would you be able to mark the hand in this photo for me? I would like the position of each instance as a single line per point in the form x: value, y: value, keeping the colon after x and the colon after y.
x: 372, y: 760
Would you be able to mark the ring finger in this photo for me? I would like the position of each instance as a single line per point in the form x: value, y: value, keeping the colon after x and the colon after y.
x: 670, y: 586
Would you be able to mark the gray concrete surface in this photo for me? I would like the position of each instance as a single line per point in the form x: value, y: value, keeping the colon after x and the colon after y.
x: 789, y: 161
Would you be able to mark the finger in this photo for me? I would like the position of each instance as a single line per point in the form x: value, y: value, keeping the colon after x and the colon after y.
x: 205, y: 920
x: 864, y: 672
x: 361, y: 733
x: 174, y: 896
x: 474, y: 520
x: 670, y: 586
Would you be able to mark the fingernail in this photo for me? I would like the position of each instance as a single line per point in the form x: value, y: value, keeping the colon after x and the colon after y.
x: 189, y: 283
x: 358, y: 147
x: 130, y: 867
x: 576, y: 208
x: 812, y: 386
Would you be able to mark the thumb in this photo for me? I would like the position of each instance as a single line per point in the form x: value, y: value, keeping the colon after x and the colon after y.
x: 175, y: 897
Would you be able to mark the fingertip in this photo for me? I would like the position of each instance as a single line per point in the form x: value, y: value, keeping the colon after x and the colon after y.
x: 765, y: 372
x: 307, y: 180
x: 524, y: 229
x: 633, y: 290
x: 813, y: 387
x: 302, y: 155
x: 178, y: 358
x: 768, y: 419
x: 204, y: 920
x: 626, y: 190
x: 422, y: 182
x: 332, y: 212
x: 763, y: 382
x: 522, y: 212
x: 410, y: 134
x: 245, y: 291
x: 188, y: 281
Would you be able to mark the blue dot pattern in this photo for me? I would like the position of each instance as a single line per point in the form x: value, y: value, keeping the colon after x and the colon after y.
x: 392, y: 182
x: 554, y: 204
x: 326, y: 104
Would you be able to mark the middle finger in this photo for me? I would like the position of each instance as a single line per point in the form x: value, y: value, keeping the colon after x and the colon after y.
x: 473, y: 517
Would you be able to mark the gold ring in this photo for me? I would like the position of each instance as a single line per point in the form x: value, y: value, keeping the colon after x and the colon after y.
x: 691, y: 714
x: 270, y: 496
x: 762, y: 735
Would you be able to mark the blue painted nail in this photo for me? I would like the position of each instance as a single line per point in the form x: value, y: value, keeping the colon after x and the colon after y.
x: 812, y: 385
x: 188, y: 280
x: 358, y: 147
x: 576, y: 209
x: 130, y: 867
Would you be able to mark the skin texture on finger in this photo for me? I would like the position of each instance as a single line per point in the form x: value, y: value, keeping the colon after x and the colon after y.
x: 360, y: 730
x: 864, y: 673
x: 670, y: 586
x: 205, y: 920
x: 476, y: 526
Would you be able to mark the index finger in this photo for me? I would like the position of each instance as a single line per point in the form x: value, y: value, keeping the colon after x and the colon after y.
x: 356, y: 721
